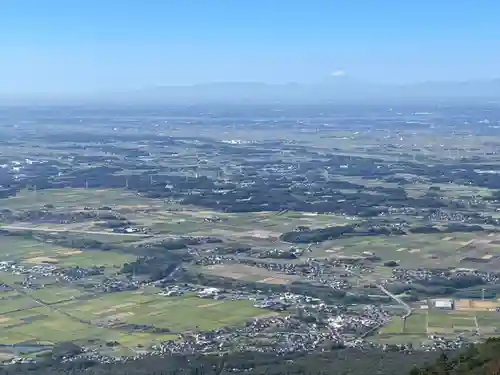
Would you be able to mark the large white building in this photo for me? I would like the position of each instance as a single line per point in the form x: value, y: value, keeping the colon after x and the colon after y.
x: 208, y: 292
x: 444, y: 303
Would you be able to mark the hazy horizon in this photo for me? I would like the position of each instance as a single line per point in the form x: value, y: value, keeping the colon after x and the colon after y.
x: 57, y: 49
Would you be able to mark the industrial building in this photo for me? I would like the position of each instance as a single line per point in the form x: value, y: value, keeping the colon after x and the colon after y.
x: 443, y: 303
x: 208, y: 292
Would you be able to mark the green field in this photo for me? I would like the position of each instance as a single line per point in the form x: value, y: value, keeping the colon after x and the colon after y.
x: 80, y: 316
x: 53, y: 294
x: 72, y: 199
x: 31, y: 252
x: 440, y: 322
x: 422, y: 250
x: 175, y: 313
x: 192, y: 220
x: 104, y: 318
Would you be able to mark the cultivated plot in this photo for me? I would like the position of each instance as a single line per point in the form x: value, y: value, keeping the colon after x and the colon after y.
x: 117, y: 315
x: 442, y: 323
x: 249, y: 273
x: 437, y: 250
x: 32, y: 252
x: 73, y: 199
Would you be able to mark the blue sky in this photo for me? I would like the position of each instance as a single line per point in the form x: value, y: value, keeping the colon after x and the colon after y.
x: 99, y: 45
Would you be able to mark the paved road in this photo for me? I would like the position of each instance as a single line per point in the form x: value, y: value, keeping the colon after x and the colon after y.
x: 397, y: 299
x: 36, y: 229
x: 392, y: 296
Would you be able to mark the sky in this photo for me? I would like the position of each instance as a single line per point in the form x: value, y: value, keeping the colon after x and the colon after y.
x: 85, y: 46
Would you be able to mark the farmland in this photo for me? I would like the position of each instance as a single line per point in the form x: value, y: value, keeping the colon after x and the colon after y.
x: 27, y: 251
x: 248, y: 273
x: 422, y: 324
x: 94, y: 320
x: 181, y: 233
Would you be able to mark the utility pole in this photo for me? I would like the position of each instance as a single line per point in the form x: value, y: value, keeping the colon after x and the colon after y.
x: 86, y: 184
x: 126, y: 182
x: 482, y: 293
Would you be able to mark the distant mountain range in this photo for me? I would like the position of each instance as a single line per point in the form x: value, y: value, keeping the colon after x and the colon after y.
x: 334, y: 89
x: 338, y: 89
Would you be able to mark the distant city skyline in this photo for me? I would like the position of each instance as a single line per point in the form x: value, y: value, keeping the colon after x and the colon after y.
x: 59, y: 48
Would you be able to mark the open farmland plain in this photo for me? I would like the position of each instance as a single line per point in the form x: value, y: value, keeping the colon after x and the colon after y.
x: 436, y: 250
x: 192, y: 234
x: 31, y: 252
x: 96, y: 319
x: 248, y: 273
x: 422, y: 324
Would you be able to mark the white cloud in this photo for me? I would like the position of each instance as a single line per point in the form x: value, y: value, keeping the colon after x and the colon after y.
x: 338, y: 73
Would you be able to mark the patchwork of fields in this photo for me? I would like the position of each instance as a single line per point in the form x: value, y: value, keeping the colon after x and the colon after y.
x: 163, y: 218
x: 69, y: 312
x: 248, y: 273
x: 437, y: 250
x: 30, y: 252
x: 95, y: 319
x: 61, y: 312
x: 451, y: 323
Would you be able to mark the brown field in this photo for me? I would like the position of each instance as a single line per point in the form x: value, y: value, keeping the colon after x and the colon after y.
x: 210, y: 304
x: 274, y: 280
x: 41, y: 260
x: 261, y: 234
x: 335, y: 249
x: 72, y: 252
x: 114, y: 308
x: 463, y: 304
x: 4, y: 319
x: 114, y: 320
x: 475, y: 305
x: 466, y: 243
x: 244, y: 272
x: 120, y: 316
x: 482, y: 242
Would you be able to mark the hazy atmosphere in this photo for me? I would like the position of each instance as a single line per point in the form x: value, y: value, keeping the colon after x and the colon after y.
x: 94, y: 47
x: 233, y: 187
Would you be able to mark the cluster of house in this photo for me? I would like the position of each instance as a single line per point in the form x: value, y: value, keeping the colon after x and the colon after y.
x: 33, y: 271
x: 113, y: 285
x: 213, y: 259
x: 424, y: 274
x: 78, y: 273
x: 334, y: 274
x: 129, y: 230
x: 278, y: 333
x: 445, y: 344
x: 33, y: 276
x: 291, y: 253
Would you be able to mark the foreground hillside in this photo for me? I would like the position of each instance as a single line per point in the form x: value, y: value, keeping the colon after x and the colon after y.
x: 346, y: 361
x: 482, y: 359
